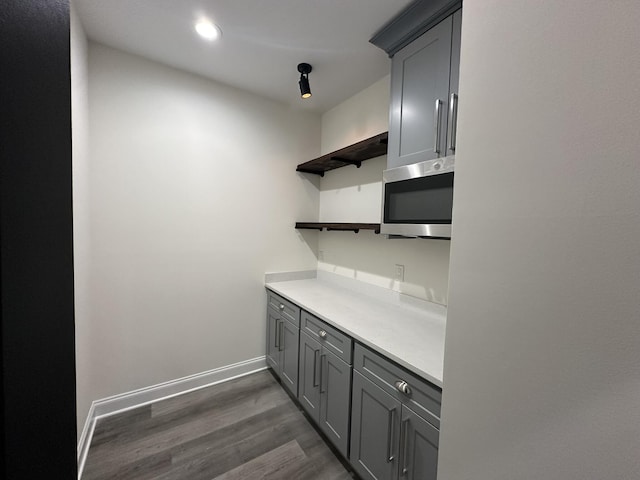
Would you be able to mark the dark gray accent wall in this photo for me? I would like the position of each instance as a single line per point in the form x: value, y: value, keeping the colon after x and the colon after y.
x: 36, y: 249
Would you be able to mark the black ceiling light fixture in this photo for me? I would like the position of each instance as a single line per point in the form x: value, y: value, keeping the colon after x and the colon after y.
x: 304, y: 69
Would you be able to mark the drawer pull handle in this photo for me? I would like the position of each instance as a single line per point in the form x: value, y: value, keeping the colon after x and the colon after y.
x: 322, y: 334
x: 281, y: 306
x: 403, y: 387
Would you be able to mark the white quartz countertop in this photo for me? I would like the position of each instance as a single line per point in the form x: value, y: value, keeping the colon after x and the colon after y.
x: 406, y: 330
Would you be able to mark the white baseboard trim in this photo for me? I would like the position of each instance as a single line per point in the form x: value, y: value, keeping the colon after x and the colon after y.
x: 143, y: 396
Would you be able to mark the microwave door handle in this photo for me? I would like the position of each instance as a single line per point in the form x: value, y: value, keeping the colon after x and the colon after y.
x: 436, y: 126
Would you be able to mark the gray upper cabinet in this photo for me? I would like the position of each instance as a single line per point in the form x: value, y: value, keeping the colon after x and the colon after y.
x: 424, y: 95
x: 452, y: 112
x: 283, y: 332
x: 325, y: 381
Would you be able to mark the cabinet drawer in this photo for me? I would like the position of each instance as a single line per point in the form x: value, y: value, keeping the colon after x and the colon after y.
x: 423, y: 398
x: 335, y: 341
x: 287, y: 309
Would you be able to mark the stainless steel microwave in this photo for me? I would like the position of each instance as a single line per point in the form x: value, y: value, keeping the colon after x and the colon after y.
x: 417, y: 199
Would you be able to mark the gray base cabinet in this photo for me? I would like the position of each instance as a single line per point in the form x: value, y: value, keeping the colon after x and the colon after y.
x: 375, y: 431
x: 389, y: 440
x: 283, y: 332
x: 419, y: 447
x: 382, y: 418
x: 325, y: 389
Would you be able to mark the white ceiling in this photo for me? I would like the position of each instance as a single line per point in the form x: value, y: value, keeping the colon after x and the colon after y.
x: 262, y: 41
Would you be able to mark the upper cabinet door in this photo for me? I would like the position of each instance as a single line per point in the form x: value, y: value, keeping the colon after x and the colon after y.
x: 420, y: 75
x: 452, y: 119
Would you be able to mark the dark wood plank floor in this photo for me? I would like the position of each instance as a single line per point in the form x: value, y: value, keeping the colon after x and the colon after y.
x: 243, y: 429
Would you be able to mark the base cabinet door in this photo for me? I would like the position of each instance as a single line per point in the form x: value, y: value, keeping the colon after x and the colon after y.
x: 335, y: 383
x: 273, y: 333
x: 419, y: 448
x: 375, y: 431
x: 309, y: 378
x: 289, y: 356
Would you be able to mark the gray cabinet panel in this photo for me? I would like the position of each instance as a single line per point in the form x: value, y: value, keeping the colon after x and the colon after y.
x: 424, y: 397
x: 273, y: 330
x: 419, y: 451
x: 453, y: 82
x: 287, y: 310
x: 335, y: 390
x: 419, y: 78
x: 375, y: 430
x: 282, y: 340
x: 309, y: 378
x: 289, y: 358
x: 329, y: 337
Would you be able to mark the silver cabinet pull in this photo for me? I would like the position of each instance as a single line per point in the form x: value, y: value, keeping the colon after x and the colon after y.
x: 436, y: 126
x: 281, y: 306
x: 403, y: 387
x: 315, y: 367
x: 280, y: 339
x: 392, y: 414
x: 453, y: 121
x: 404, y: 427
x: 322, y: 357
x: 322, y: 334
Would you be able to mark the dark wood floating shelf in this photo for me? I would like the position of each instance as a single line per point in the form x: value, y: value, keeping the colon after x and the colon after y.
x: 353, y: 227
x: 352, y: 155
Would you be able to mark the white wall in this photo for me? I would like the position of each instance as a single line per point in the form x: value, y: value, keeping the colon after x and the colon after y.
x: 81, y: 211
x: 542, y: 358
x: 350, y: 194
x: 194, y: 196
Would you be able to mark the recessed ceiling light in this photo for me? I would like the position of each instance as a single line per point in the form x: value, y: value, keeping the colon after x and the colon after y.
x: 208, y: 30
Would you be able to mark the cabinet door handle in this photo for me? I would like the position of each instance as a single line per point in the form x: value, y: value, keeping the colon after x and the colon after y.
x: 315, y: 367
x: 404, y: 427
x: 322, y: 375
x: 453, y: 121
x: 276, y: 339
x: 280, y: 336
x: 392, y: 414
x: 436, y: 126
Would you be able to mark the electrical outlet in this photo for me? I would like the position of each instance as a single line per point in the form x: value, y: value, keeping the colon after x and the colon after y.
x: 400, y: 273
x: 321, y: 255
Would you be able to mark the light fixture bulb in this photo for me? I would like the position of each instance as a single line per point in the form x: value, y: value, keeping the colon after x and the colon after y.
x: 207, y: 30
